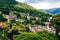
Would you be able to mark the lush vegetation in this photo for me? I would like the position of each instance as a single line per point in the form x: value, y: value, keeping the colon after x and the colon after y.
x: 21, y: 15
x: 20, y: 9
x: 56, y: 22
x: 2, y: 19
x: 41, y: 35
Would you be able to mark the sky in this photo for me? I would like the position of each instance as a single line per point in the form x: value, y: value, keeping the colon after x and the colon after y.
x: 42, y: 4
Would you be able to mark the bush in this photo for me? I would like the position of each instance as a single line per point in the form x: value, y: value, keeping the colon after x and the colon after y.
x: 45, y: 35
x: 26, y: 36
x: 12, y: 29
x: 2, y: 19
x: 41, y: 35
x: 3, y: 35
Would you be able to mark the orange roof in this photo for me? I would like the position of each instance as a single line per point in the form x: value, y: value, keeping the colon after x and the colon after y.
x: 0, y: 24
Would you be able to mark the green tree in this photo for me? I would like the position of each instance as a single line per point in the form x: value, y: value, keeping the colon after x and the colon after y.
x: 2, y: 19
x: 7, y: 2
x: 5, y: 5
x: 12, y: 29
x: 56, y: 22
x: 45, y: 35
x: 41, y: 35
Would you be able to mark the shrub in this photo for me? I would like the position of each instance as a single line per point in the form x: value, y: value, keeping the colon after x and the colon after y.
x: 2, y: 19
x: 45, y: 35
x: 26, y: 36
x: 41, y: 35
x: 3, y: 35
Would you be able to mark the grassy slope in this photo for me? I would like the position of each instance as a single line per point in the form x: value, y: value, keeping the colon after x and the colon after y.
x: 24, y: 6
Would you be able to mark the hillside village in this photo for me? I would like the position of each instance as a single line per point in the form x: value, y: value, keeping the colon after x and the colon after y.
x: 33, y: 28
x: 19, y: 21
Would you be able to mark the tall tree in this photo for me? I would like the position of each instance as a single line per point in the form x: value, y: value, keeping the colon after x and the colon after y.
x: 56, y: 22
x: 6, y: 5
x: 7, y: 1
x: 2, y: 19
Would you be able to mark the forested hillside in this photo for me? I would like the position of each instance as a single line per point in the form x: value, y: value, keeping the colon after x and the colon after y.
x: 18, y: 9
x: 16, y: 19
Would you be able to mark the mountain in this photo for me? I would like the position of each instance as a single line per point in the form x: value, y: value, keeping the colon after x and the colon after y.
x: 52, y: 11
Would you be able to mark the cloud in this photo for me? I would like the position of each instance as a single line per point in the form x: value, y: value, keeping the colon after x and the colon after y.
x: 45, y: 5
x: 23, y: 1
x: 42, y: 4
x: 35, y: 1
x: 55, y: 5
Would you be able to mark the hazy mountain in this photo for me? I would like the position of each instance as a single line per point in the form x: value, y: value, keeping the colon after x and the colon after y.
x: 52, y: 11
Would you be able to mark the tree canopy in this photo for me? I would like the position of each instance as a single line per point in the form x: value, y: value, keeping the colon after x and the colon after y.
x: 56, y: 19
x: 56, y: 23
x: 7, y: 2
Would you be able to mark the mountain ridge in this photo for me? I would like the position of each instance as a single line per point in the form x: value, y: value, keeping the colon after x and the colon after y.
x: 52, y: 11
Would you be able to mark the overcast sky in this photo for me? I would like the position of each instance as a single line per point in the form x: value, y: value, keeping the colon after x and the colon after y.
x: 42, y: 4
